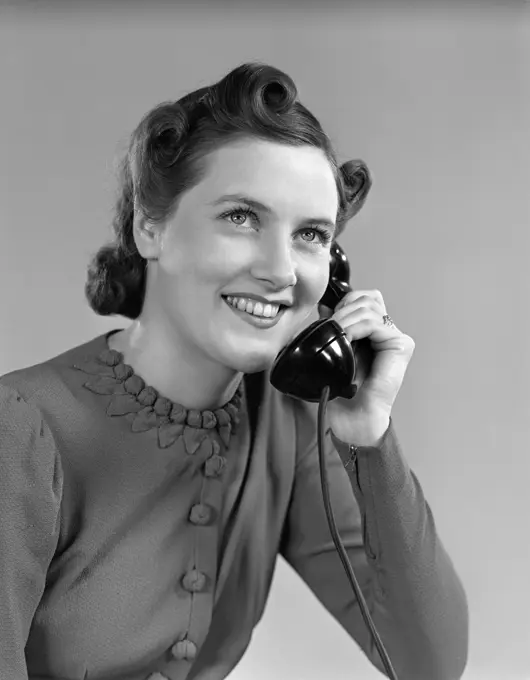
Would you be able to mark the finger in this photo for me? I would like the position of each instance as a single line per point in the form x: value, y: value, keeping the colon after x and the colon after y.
x: 363, y: 297
x: 369, y: 305
x: 364, y: 322
x: 372, y: 293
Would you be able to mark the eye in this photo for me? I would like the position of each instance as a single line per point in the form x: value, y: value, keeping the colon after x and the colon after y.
x: 238, y: 216
x: 322, y: 234
x: 311, y: 232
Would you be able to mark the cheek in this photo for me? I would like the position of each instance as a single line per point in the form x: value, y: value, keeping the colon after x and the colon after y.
x: 189, y: 260
x: 203, y: 273
x: 315, y: 280
x: 228, y: 260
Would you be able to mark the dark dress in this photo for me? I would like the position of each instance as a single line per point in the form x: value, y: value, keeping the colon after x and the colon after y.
x: 138, y: 540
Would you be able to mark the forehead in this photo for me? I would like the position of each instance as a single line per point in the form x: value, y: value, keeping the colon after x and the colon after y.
x: 272, y: 172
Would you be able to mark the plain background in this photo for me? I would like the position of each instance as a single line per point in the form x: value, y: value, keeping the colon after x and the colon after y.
x: 435, y: 98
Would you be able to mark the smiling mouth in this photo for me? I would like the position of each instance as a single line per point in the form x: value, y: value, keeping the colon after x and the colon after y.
x: 272, y: 308
x: 259, y: 321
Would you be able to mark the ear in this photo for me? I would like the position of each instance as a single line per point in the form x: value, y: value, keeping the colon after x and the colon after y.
x: 147, y: 236
x: 357, y: 184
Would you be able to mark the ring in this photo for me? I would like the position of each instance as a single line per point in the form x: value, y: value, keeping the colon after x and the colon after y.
x: 387, y: 320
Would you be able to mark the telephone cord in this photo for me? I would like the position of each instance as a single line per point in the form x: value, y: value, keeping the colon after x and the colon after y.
x: 338, y: 542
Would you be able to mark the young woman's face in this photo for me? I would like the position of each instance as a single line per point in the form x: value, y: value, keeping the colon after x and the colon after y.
x: 260, y: 223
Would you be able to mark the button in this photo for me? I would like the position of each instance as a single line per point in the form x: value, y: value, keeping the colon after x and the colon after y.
x: 214, y: 466
x: 200, y: 514
x: 194, y: 581
x: 157, y: 676
x: 185, y: 650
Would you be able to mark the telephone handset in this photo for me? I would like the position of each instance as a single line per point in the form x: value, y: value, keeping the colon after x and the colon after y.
x: 321, y: 354
x: 319, y: 365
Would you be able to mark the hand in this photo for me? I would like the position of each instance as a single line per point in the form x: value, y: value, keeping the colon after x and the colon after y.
x: 364, y: 419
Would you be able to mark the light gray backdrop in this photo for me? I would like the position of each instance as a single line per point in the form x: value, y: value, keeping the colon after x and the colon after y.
x: 436, y: 100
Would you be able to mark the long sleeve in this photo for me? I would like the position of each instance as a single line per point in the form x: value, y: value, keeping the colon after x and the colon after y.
x: 414, y: 595
x: 30, y: 495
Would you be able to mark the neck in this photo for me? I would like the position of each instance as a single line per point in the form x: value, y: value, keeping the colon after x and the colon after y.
x: 192, y: 381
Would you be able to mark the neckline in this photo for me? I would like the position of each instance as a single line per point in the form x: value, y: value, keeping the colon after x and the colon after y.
x: 147, y: 409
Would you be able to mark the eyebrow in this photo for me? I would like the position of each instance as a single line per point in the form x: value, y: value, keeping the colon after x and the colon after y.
x: 253, y: 203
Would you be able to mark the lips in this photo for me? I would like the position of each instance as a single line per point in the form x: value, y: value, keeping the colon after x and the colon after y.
x: 275, y: 308
x: 256, y: 321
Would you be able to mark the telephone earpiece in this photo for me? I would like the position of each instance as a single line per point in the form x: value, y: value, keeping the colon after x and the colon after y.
x: 320, y: 355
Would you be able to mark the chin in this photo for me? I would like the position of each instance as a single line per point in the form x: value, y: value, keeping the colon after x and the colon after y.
x: 249, y: 362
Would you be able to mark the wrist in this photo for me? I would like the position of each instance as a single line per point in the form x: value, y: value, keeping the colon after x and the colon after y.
x: 368, y: 431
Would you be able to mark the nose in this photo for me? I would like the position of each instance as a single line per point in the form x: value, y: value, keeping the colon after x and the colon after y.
x: 275, y: 263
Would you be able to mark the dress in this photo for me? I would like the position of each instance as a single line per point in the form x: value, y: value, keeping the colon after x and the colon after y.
x: 138, y: 540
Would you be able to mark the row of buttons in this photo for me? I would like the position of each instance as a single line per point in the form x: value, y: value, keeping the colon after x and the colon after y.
x: 195, y: 581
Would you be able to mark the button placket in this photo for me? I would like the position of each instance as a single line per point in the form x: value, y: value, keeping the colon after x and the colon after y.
x: 207, y: 514
x: 199, y: 579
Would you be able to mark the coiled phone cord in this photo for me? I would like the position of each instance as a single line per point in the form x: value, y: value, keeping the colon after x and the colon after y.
x: 338, y: 542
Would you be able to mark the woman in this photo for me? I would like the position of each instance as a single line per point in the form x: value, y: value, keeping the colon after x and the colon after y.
x: 151, y: 476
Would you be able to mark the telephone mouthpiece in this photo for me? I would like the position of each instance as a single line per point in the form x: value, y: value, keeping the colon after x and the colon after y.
x: 324, y: 347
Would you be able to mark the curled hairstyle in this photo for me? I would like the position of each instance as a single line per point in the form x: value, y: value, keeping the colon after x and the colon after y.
x: 165, y: 158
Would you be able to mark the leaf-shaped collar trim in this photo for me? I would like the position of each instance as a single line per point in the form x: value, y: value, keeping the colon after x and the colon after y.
x: 110, y: 376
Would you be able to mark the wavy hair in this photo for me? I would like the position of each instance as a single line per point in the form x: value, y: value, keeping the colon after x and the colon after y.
x: 166, y: 155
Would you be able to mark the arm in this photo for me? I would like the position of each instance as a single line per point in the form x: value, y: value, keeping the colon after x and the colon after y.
x: 30, y: 497
x: 414, y: 595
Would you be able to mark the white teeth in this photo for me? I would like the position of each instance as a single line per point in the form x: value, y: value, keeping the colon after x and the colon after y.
x: 252, y: 307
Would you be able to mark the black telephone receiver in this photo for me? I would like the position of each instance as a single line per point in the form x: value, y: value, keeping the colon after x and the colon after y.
x: 320, y: 355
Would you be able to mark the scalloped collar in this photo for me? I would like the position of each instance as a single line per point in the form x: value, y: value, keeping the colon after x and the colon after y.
x: 110, y: 376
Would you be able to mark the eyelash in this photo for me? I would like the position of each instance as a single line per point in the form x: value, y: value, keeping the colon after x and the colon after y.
x: 324, y: 235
